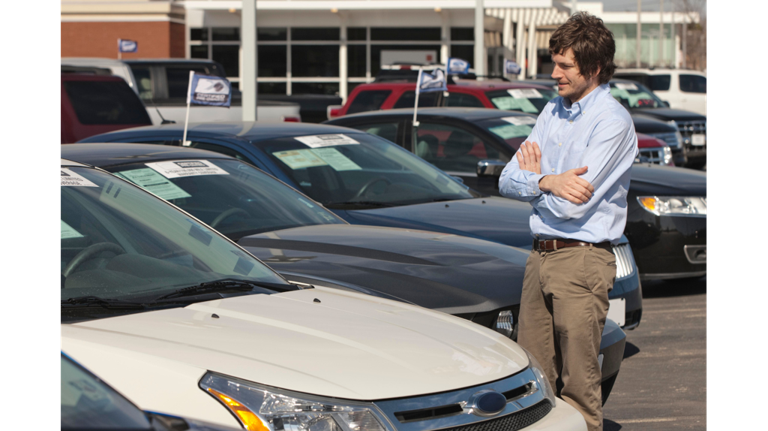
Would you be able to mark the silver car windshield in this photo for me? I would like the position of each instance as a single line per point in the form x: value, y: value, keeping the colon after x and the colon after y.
x: 119, y: 242
x: 360, y: 170
x: 230, y: 196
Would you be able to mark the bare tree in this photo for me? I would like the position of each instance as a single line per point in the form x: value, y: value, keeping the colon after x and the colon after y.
x: 696, y: 33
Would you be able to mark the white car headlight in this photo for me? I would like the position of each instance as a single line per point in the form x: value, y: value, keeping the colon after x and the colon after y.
x: 667, y: 155
x: 263, y: 408
x: 674, y: 205
x: 541, y: 379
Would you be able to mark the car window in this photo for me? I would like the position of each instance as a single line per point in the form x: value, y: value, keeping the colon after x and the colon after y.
x: 143, y: 77
x: 87, y: 403
x: 638, y: 77
x: 461, y: 99
x: 426, y: 100
x: 659, y: 82
x: 530, y: 100
x: 635, y: 95
x: 451, y: 148
x: 119, y: 242
x: 693, y: 83
x: 359, y: 170
x: 178, y: 80
x: 387, y: 131
x: 220, y: 149
x: 368, y: 101
x: 239, y: 201
x: 105, y: 102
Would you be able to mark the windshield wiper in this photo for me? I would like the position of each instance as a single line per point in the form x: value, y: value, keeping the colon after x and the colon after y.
x: 90, y: 300
x: 225, y: 284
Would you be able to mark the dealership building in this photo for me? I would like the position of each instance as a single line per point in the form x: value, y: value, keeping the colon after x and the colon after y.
x: 328, y: 47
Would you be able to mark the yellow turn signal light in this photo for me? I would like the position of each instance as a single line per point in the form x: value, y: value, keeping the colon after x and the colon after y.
x: 649, y: 203
x: 250, y: 421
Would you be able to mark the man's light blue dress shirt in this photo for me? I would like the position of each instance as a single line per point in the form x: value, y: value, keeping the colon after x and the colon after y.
x: 596, y: 132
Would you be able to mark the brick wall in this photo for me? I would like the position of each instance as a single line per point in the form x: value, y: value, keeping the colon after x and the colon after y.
x: 160, y: 39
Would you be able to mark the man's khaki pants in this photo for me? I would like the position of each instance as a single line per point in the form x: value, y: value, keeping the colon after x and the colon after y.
x: 562, y: 314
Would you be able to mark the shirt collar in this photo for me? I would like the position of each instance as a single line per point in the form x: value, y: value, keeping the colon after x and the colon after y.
x: 586, y: 103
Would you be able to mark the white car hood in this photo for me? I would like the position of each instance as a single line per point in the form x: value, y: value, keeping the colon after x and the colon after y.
x: 319, y: 341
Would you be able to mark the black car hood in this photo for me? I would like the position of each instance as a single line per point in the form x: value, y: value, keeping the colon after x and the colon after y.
x: 667, y: 181
x: 645, y: 124
x: 450, y: 273
x: 666, y: 114
x: 503, y: 220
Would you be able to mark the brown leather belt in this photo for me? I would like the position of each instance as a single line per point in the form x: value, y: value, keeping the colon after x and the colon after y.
x: 556, y: 244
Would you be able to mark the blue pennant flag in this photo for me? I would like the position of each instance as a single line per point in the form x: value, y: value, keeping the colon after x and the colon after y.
x: 209, y: 90
x: 435, y: 81
x: 125, y: 45
x: 511, y: 67
x: 457, y: 65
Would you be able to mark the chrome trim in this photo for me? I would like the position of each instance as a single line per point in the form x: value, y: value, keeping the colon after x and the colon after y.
x: 671, y: 275
x: 625, y: 261
x: 462, y: 397
x: 490, y: 168
x: 690, y: 250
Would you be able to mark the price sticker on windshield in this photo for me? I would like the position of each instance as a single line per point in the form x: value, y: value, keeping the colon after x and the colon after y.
x: 319, y: 141
x: 520, y: 121
x: 625, y: 86
x: 71, y: 179
x: 186, y: 168
x: 525, y: 93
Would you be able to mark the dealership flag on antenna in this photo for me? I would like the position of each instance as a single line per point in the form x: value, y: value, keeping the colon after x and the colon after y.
x: 511, y: 67
x: 209, y: 90
x: 457, y: 65
x: 432, y: 81
x: 125, y: 45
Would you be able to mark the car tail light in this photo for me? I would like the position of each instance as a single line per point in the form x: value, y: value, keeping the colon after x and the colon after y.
x: 291, y: 119
x: 334, y: 111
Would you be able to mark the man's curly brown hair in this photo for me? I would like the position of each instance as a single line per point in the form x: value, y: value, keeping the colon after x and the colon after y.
x: 592, y: 44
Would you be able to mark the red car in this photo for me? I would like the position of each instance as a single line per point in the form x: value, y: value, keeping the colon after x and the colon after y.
x: 95, y: 104
x: 493, y: 94
x: 653, y: 150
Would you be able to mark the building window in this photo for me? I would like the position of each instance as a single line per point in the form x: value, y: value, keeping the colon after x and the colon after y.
x: 330, y: 88
x: 462, y: 33
x: 272, y: 87
x: 199, y: 34
x: 356, y: 33
x: 356, y: 60
x: 225, y: 33
x: 273, y: 61
x: 271, y: 34
x: 315, y: 60
x: 376, y: 53
x: 405, y: 33
x: 229, y: 57
x: 464, y: 52
x: 198, y: 51
x: 315, y: 34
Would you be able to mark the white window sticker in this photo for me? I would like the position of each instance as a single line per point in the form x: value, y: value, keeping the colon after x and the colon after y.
x: 152, y: 181
x: 520, y: 121
x: 71, y: 179
x: 68, y: 231
x: 625, y: 86
x: 338, y: 161
x: 299, y: 159
x: 319, y: 141
x: 525, y: 93
x: 187, y: 168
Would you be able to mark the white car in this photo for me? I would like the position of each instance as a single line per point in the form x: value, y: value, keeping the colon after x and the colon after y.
x: 681, y: 88
x: 181, y: 320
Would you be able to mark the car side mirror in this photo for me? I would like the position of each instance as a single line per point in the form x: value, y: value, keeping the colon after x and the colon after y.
x: 490, y: 168
x: 333, y: 111
x: 458, y: 179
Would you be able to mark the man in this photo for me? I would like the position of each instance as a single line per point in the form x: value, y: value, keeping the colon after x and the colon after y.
x: 574, y: 169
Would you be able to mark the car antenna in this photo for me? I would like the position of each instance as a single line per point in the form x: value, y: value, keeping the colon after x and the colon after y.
x: 161, y: 115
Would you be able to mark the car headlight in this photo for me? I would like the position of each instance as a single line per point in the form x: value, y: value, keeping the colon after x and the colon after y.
x: 667, y: 155
x: 505, y: 323
x: 541, y: 379
x: 263, y: 408
x: 674, y: 205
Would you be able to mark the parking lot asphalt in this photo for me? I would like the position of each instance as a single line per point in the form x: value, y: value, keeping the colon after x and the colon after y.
x: 662, y: 383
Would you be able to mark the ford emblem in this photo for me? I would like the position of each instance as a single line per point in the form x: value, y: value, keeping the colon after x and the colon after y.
x: 488, y: 403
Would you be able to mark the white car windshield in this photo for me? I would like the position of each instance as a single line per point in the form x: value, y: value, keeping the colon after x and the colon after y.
x: 361, y: 170
x: 121, y: 243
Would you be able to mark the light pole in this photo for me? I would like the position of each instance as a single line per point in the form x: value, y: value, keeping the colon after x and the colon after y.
x: 479, y: 38
x: 249, y: 87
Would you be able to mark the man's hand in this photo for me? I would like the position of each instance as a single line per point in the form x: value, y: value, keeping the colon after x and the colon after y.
x: 568, y: 185
x: 529, y: 157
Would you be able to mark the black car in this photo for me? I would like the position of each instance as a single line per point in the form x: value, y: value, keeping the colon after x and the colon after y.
x: 367, y: 180
x: 666, y: 220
